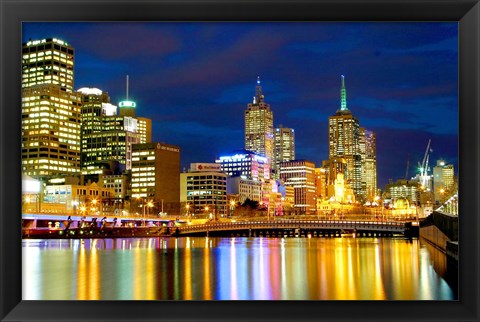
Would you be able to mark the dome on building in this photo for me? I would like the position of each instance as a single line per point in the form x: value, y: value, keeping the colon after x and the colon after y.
x: 402, y: 203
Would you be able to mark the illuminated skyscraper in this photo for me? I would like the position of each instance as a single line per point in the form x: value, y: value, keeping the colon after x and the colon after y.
x: 284, y: 147
x: 259, y: 136
x: 344, y: 142
x: 106, y: 136
x: 48, y: 61
x: 369, y: 159
x: 50, y: 110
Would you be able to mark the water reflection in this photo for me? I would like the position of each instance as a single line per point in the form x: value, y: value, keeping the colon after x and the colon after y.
x: 232, y: 269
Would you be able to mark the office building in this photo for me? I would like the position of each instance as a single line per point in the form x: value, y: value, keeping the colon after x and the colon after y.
x: 245, y: 163
x: 50, y: 110
x: 344, y: 142
x: 300, y: 174
x: 284, y: 147
x: 144, y: 129
x: 106, y: 136
x: 369, y: 159
x: 203, y: 191
x: 48, y: 61
x: 443, y: 180
x: 244, y: 188
x: 155, y: 176
x: 259, y: 136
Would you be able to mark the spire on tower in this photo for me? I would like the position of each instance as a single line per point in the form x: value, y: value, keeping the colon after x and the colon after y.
x: 258, y: 92
x: 343, y: 96
x: 127, y: 87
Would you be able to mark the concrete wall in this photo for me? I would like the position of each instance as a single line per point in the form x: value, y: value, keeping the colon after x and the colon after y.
x: 434, y: 236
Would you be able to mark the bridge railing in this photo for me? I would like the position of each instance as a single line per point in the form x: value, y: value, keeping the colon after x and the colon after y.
x: 295, y: 224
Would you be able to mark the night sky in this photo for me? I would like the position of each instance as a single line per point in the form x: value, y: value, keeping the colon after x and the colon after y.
x: 195, y: 79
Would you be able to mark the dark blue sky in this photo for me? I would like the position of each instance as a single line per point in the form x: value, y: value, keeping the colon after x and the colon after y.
x: 195, y: 79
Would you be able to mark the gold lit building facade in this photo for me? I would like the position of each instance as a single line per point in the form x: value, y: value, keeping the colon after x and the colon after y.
x: 369, y: 160
x: 144, y: 129
x: 50, y: 131
x: 284, y: 147
x: 344, y: 142
x: 259, y: 136
x: 48, y: 61
x: 50, y: 110
x: 300, y: 174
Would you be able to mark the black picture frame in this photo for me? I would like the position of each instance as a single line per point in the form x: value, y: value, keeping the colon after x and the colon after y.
x: 13, y: 12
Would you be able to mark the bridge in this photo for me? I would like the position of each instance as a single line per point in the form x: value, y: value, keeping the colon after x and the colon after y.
x: 63, y: 226
x: 312, y: 228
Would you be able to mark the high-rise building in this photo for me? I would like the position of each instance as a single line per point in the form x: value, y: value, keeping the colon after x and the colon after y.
x: 145, y: 129
x: 156, y: 175
x: 48, y: 61
x: 300, y: 174
x: 284, y: 147
x: 106, y: 136
x: 245, y: 163
x: 344, y: 142
x: 259, y: 136
x: 203, y: 190
x: 50, y: 110
x: 369, y: 159
x: 443, y: 180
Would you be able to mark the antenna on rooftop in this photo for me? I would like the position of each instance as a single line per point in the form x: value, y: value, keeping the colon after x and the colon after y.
x: 127, y: 87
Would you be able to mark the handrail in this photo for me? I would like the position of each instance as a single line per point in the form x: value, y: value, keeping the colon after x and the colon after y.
x: 289, y: 223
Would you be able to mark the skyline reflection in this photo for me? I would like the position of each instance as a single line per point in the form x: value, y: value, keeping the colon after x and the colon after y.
x: 231, y: 269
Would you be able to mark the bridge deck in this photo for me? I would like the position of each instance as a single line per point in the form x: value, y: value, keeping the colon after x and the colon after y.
x: 394, y: 227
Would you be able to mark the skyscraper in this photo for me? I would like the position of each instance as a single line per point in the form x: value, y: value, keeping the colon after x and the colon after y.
x: 344, y: 142
x: 284, y: 147
x: 106, y: 136
x: 370, y: 164
x: 48, y: 61
x: 50, y: 110
x: 259, y: 136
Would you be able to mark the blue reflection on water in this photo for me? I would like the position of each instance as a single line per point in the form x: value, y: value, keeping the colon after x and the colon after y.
x: 233, y: 269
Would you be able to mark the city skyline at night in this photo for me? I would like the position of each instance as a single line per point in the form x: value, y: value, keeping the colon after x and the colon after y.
x: 194, y: 79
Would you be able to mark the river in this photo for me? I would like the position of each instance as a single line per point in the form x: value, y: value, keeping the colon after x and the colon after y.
x: 202, y: 268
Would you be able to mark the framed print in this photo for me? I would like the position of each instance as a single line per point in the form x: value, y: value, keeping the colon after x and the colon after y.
x: 239, y: 160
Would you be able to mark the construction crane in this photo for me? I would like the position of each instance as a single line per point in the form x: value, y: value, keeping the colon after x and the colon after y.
x: 424, y: 165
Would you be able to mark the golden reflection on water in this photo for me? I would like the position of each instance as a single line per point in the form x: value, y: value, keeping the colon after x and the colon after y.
x: 231, y: 269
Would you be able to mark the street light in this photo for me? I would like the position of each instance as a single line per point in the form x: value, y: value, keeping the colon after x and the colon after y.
x: 94, y: 207
x: 232, y: 207
x: 187, y: 206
